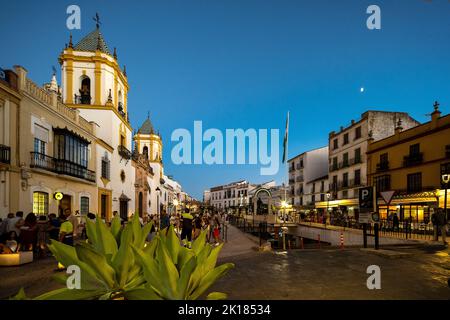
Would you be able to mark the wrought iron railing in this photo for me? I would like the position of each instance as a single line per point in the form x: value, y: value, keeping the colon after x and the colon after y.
x: 124, y: 152
x: 412, y: 159
x: 61, y: 166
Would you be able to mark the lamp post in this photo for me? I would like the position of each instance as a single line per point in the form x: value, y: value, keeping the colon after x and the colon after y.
x: 159, y: 208
x: 284, y: 205
x: 328, y: 207
x: 445, y: 179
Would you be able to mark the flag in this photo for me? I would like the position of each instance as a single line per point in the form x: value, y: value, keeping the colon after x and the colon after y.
x: 285, y: 140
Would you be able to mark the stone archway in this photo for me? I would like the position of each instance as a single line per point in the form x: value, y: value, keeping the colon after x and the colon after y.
x: 256, y: 198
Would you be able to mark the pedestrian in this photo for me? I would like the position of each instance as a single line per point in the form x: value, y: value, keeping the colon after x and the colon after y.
x: 43, y: 226
x: 197, y: 225
x: 186, y: 231
x: 66, y: 231
x: 15, y: 223
x: 28, y: 233
x: 395, y: 222
x: 165, y: 220
x: 439, y: 221
x: 54, y: 225
x: 73, y: 220
x: 4, y: 227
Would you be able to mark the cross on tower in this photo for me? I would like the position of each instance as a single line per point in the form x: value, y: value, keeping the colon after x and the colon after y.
x: 97, y: 20
x: 436, y: 105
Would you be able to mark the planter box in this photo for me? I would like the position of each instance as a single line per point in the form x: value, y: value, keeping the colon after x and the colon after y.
x: 16, y: 259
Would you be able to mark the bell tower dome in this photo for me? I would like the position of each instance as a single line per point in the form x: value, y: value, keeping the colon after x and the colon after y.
x: 148, y: 142
x: 91, y: 75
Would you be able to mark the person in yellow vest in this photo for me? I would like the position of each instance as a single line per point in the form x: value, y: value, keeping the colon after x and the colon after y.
x: 66, y: 231
x: 186, y: 231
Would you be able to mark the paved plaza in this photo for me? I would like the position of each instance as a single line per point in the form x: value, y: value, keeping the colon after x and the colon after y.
x: 421, y: 272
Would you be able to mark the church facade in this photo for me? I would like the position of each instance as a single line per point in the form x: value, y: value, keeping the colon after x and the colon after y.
x: 73, y: 147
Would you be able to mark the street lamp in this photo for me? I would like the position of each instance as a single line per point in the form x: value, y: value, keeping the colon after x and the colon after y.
x: 158, y: 209
x: 328, y: 206
x: 445, y: 179
x: 284, y: 205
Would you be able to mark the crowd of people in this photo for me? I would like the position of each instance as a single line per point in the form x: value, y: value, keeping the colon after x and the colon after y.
x: 34, y: 232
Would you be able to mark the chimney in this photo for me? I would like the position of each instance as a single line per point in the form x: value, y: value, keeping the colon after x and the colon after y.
x: 399, y: 127
x: 22, y: 74
x: 436, y: 114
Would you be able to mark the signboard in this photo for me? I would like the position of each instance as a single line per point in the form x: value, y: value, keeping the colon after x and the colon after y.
x: 58, y: 195
x: 366, y: 204
x: 387, y: 196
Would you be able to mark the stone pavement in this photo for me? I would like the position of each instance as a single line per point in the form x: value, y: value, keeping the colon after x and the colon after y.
x: 238, y: 243
x: 326, y: 273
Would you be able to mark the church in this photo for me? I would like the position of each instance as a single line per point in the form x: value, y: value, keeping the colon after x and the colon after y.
x: 73, y: 147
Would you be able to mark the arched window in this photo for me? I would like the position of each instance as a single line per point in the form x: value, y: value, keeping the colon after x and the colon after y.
x: 145, y: 151
x: 85, y: 91
x: 120, y: 102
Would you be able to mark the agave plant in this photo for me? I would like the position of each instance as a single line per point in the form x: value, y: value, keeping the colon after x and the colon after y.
x: 175, y: 272
x: 106, y: 261
x: 118, y: 263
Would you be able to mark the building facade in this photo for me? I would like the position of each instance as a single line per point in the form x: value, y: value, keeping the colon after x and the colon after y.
x: 304, y: 168
x: 347, y: 156
x: 94, y: 84
x: 411, y: 162
x: 69, y: 146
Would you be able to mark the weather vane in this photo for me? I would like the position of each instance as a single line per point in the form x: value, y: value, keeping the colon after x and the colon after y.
x: 97, y: 20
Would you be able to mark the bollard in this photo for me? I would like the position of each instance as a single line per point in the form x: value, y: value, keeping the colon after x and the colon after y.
x: 301, y: 243
x: 342, y: 240
x: 318, y: 241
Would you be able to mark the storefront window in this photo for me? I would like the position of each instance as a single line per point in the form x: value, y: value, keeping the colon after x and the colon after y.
x: 40, y: 203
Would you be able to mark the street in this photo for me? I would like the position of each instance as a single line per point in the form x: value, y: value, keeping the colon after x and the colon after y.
x: 298, y: 274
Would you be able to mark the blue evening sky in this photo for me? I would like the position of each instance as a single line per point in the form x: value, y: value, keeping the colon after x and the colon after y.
x: 244, y: 64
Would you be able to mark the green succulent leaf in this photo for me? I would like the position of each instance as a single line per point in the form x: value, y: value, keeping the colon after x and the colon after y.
x: 200, y: 242
x: 106, y: 242
x: 185, y: 276
x: 216, y: 296
x: 151, y: 273
x: 71, y: 294
x: 20, y: 295
x: 98, y: 263
x: 168, y: 272
x: 116, y: 228
x: 210, y: 278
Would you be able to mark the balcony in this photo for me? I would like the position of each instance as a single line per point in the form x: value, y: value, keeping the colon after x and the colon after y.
x: 124, y: 152
x: 412, y: 159
x: 299, y: 192
x: 291, y: 181
x: 61, y: 166
x: 334, y: 167
x: 299, y: 167
x: 299, y: 179
x: 383, y: 166
x: 82, y: 99
x: 291, y: 168
x: 355, y: 160
x: 5, y: 154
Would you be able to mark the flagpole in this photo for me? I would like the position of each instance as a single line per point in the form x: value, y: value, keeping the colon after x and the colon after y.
x: 286, y: 154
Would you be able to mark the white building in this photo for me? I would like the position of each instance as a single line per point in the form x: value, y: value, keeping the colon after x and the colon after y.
x: 347, y: 154
x: 303, y: 168
x: 94, y: 84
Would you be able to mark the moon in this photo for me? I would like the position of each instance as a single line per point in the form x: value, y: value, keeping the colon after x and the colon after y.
x: 361, y: 89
